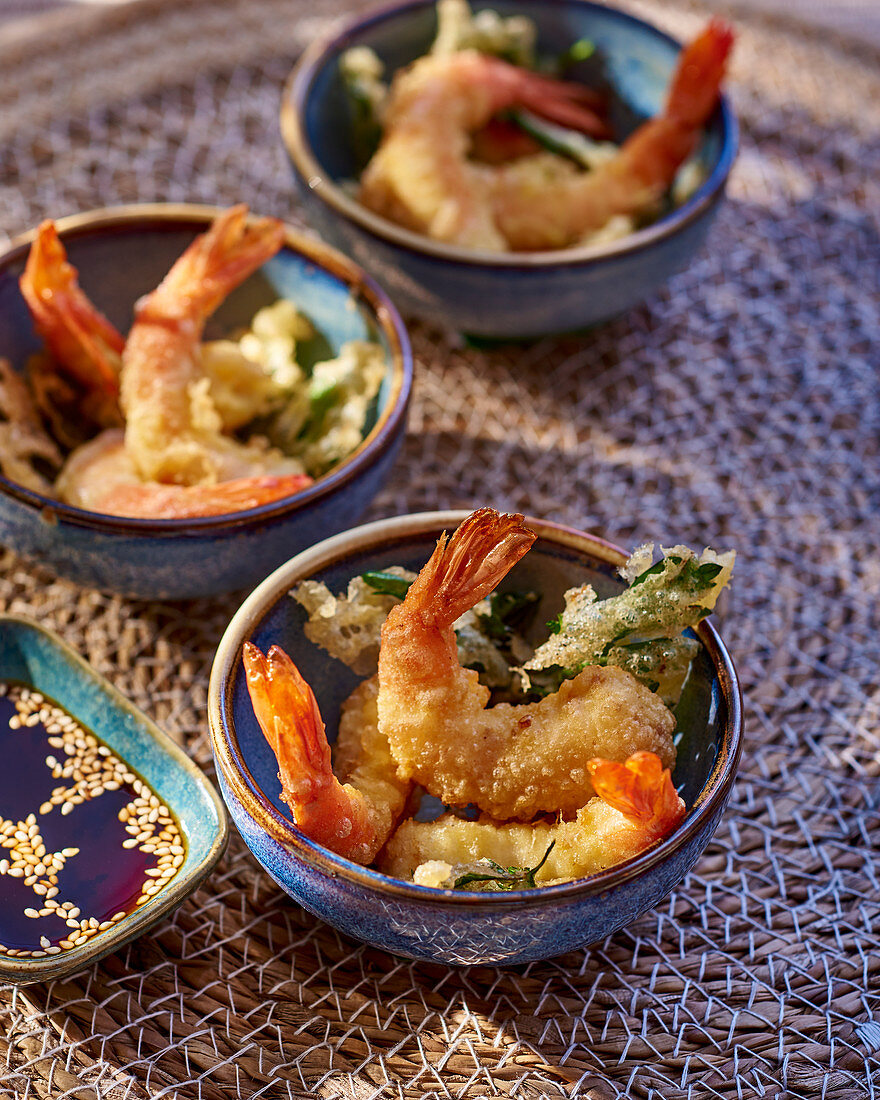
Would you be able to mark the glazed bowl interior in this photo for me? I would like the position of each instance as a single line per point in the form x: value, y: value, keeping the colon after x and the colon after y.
x: 633, y: 62
x: 708, y: 713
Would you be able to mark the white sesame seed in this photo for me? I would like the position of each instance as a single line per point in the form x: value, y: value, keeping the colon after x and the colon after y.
x: 67, y: 807
x: 68, y: 853
x: 132, y: 842
x: 31, y: 912
x: 53, y: 950
x: 74, y: 910
x: 45, y: 941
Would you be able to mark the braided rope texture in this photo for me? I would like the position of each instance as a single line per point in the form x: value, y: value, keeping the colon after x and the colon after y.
x: 739, y: 407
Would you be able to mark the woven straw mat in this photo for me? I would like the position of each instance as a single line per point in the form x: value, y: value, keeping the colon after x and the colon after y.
x: 739, y: 407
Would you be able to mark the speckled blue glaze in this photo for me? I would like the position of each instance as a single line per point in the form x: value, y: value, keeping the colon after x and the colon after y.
x: 123, y: 253
x: 32, y: 655
x: 441, y: 925
x: 481, y: 293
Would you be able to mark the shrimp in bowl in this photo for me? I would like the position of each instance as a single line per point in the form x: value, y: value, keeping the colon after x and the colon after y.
x: 292, y: 407
x: 183, y: 428
x: 429, y: 173
x: 585, y: 768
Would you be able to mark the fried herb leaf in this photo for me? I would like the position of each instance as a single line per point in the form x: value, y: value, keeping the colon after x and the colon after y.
x: 502, y: 879
x: 386, y: 584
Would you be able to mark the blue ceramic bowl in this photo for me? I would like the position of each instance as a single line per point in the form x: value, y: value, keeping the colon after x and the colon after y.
x: 121, y: 253
x: 35, y: 657
x: 486, y: 294
x: 444, y: 925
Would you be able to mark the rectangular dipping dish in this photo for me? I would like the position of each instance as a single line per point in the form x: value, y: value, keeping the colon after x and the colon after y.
x: 106, y: 825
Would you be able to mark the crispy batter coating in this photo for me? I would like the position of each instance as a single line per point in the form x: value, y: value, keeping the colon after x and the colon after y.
x: 638, y: 805
x: 511, y: 761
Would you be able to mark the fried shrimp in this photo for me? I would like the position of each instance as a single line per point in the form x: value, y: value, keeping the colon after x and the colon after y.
x: 536, y: 212
x: 83, y: 343
x: 420, y: 176
x: 353, y: 817
x: 423, y: 178
x: 173, y: 431
x: 101, y: 477
x: 636, y: 805
x: 512, y: 761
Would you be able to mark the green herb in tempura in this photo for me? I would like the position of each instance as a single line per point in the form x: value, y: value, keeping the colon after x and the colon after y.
x: 498, y: 879
x: 641, y: 628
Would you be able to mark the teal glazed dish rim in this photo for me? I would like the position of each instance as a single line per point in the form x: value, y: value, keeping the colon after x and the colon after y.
x: 295, y: 97
x: 138, y: 738
x: 246, y: 791
x: 379, y: 440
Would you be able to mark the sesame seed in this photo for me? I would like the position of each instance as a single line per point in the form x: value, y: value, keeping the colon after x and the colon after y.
x: 31, y: 913
x: 45, y: 941
x: 53, y: 950
x: 67, y: 807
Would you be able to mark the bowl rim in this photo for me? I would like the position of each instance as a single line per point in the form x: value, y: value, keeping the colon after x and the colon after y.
x: 385, y: 532
x: 376, y: 443
x: 294, y: 97
x: 141, y: 919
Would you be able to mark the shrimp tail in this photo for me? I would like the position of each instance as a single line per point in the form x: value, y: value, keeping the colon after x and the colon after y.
x: 285, y: 707
x: 152, y: 500
x: 466, y: 567
x: 697, y: 80
x: 641, y: 789
x: 214, y: 264
x: 83, y: 342
x: 564, y: 102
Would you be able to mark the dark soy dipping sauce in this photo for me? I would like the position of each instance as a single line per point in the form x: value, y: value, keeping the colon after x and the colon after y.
x: 106, y: 879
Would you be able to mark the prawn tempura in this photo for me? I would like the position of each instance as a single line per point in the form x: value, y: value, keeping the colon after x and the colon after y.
x: 352, y: 818
x: 511, y: 761
x: 423, y: 176
x: 420, y: 176
x: 534, y: 212
x: 173, y: 431
x: 636, y: 805
x: 83, y: 343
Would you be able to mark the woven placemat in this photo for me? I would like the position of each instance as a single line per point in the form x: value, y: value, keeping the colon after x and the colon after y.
x: 738, y: 407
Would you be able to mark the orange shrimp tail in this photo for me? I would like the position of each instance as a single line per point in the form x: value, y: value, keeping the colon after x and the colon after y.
x: 213, y: 265
x: 561, y: 101
x: 84, y: 343
x: 465, y: 568
x: 288, y: 714
x: 698, y: 76
x: 641, y: 789
x: 155, y: 501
